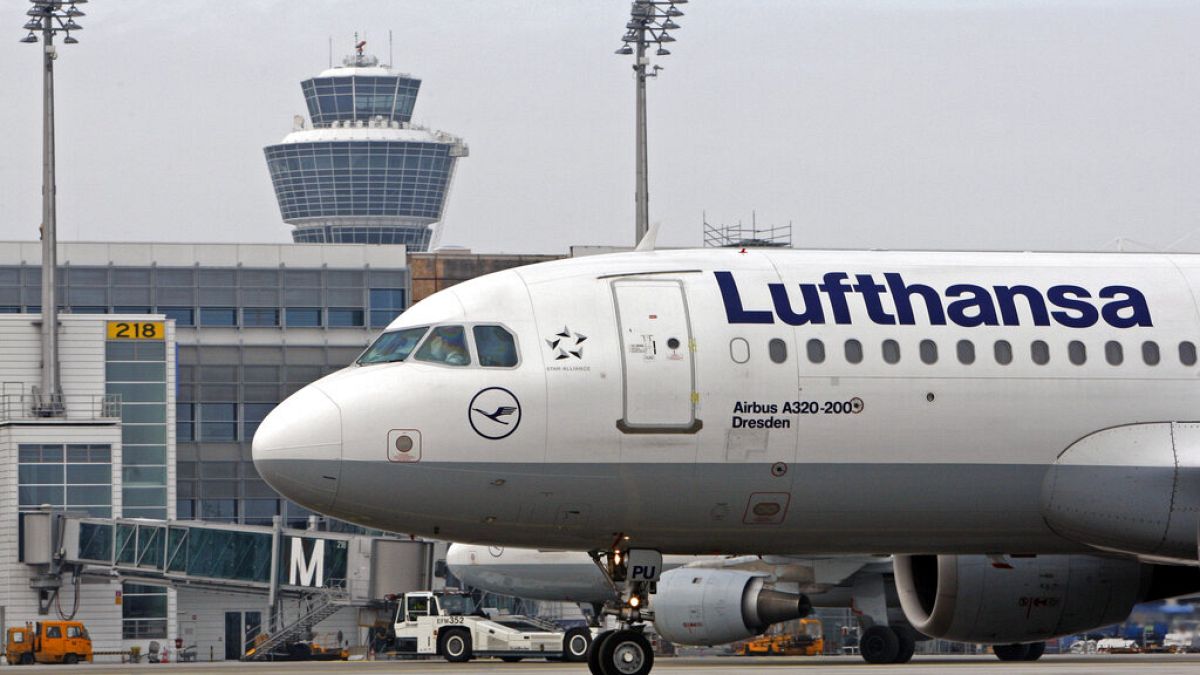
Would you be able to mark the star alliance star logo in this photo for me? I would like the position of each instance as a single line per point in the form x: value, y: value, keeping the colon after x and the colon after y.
x: 567, y: 343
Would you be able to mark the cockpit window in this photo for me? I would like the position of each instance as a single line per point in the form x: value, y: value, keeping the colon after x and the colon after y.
x: 445, y: 344
x: 392, y: 346
x: 496, y: 346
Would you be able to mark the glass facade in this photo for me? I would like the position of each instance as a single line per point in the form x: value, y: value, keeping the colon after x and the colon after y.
x: 358, y: 97
x: 76, y: 477
x: 416, y: 238
x: 398, y: 179
x: 224, y: 297
x: 196, y: 551
x: 137, y: 371
x: 225, y: 386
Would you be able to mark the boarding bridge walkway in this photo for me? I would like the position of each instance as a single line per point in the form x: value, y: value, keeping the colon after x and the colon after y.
x: 329, y: 570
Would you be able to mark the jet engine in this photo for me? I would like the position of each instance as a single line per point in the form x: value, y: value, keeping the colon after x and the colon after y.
x: 1000, y: 600
x: 696, y: 606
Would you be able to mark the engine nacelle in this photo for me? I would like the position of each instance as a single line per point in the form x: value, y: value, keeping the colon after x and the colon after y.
x: 698, y: 606
x: 971, y: 598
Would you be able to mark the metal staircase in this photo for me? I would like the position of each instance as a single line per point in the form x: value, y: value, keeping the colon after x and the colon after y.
x: 316, y: 608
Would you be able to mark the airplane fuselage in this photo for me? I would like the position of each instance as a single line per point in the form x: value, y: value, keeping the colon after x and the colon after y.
x: 773, y: 401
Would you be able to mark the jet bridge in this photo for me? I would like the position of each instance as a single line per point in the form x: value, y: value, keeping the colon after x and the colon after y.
x: 329, y: 570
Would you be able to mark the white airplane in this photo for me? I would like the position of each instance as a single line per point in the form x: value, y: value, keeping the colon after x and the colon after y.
x: 963, y: 411
x: 861, y: 583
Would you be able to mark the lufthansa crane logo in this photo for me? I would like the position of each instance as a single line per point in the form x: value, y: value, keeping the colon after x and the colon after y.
x: 494, y: 413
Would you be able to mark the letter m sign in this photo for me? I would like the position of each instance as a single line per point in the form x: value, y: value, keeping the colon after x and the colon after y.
x: 307, y: 570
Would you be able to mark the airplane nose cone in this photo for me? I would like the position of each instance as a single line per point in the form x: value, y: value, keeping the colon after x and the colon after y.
x: 298, y: 448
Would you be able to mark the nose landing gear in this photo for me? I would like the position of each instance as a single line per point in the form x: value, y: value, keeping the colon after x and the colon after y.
x: 633, y: 574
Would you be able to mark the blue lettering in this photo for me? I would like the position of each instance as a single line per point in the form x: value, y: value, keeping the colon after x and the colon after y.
x: 983, y: 312
x: 813, y: 312
x: 973, y: 305
x: 1068, y: 298
x: 733, y: 303
x: 1134, y: 301
x: 837, y: 296
x: 870, y: 291
x: 1006, y: 299
x: 902, y: 296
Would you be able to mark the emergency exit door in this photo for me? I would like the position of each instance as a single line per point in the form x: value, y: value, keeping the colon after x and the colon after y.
x: 656, y: 357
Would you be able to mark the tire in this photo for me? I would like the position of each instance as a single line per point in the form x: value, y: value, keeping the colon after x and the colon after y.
x: 27, y: 659
x: 70, y: 659
x: 455, y: 645
x: 576, y: 644
x: 593, y: 657
x: 879, y: 644
x: 626, y: 652
x: 299, y: 651
x: 1013, y: 652
x: 1036, y: 649
x: 908, y: 644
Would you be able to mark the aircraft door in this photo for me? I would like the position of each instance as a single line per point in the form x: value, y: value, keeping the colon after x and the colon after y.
x: 656, y: 356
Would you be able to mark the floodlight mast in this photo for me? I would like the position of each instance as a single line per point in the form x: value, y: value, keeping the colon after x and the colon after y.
x: 50, y: 17
x: 649, y: 21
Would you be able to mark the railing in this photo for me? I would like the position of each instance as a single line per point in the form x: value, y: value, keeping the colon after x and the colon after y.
x: 314, y: 608
x: 28, y: 406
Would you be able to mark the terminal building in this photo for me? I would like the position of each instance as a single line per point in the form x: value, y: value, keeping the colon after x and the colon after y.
x: 153, y: 454
x: 162, y: 429
x: 362, y: 172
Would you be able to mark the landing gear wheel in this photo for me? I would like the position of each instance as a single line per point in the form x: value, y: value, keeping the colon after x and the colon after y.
x: 593, y: 655
x: 879, y: 644
x: 455, y: 645
x: 71, y: 659
x: 908, y: 644
x: 576, y: 643
x: 1036, y: 649
x: 626, y: 652
x: 1013, y: 652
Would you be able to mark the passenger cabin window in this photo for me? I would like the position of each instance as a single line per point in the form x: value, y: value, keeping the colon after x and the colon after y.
x: 777, y: 350
x: 445, y: 344
x: 18, y: 638
x: 1187, y: 353
x: 854, y: 351
x: 53, y: 632
x: 1003, y: 350
x: 928, y: 352
x: 891, y: 351
x: 1039, y: 351
x: 816, y: 351
x: 498, y: 349
x: 739, y: 350
x: 966, y: 352
x: 1150, y: 353
x: 72, y: 631
x: 1077, y: 352
x: 1113, y: 353
x: 392, y: 346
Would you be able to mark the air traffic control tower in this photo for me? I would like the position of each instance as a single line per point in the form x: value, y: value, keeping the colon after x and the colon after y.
x: 362, y: 172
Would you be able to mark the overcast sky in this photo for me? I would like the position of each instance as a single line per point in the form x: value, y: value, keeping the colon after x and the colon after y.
x: 973, y: 124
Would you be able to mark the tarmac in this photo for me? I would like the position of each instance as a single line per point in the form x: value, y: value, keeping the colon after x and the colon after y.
x: 1159, y: 664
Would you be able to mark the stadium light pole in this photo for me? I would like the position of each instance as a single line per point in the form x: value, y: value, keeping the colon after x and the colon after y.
x: 649, y: 21
x: 50, y: 17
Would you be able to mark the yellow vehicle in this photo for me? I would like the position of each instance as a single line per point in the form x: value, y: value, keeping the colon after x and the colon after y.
x: 48, y: 642
x: 804, y: 637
